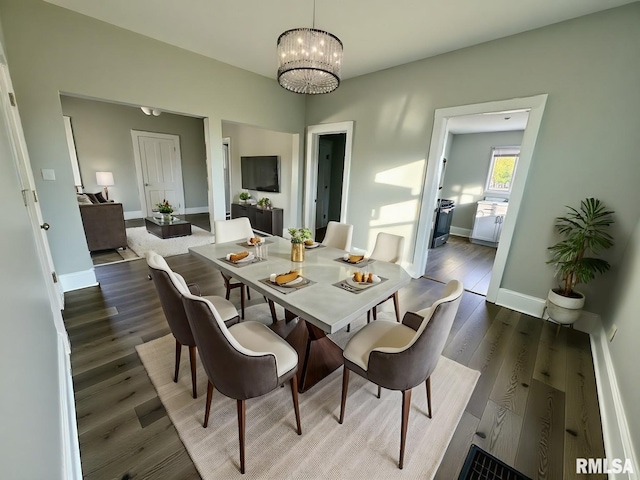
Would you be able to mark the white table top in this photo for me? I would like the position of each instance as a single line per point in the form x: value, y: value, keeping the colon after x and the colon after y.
x: 322, y: 304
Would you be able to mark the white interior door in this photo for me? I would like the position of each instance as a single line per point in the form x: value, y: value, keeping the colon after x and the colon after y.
x: 159, y: 168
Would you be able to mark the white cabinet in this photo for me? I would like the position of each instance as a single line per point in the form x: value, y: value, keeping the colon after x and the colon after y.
x: 487, y: 225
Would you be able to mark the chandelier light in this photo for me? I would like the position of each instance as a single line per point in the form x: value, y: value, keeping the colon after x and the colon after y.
x: 309, y: 60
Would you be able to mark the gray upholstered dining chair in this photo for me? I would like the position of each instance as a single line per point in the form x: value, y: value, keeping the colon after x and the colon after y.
x: 170, y: 286
x: 338, y: 235
x: 400, y: 356
x: 228, y: 231
x: 244, y: 361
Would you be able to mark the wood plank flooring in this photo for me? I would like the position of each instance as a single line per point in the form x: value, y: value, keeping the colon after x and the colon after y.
x: 462, y: 260
x: 535, y: 405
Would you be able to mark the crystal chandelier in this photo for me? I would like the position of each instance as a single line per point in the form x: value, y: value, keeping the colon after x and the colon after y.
x: 309, y: 60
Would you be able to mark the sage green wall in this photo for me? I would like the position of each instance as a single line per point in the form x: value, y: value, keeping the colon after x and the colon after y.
x: 625, y: 355
x: 52, y: 50
x: 102, y: 133
x: 247, y: 141
x: 467, y: 169
x: 587, y: 144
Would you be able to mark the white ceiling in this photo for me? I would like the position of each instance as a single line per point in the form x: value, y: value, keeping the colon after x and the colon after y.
x: 488, y: 122
x: 376, y: 34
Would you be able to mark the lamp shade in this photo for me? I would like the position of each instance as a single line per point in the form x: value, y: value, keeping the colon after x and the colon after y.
x: 104, y: 179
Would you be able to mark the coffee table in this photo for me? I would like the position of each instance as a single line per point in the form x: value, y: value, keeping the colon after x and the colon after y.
x: 174, y: 228
x: 313, y: 311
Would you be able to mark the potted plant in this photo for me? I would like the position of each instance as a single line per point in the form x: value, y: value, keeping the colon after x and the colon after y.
x: 585, y: 233
x: 298, y: 236
x: 244, y: 196
x: 264, y: 203
x: 165, y: 209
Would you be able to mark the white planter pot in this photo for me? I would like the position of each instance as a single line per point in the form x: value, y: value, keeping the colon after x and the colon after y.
x: 564, y: 310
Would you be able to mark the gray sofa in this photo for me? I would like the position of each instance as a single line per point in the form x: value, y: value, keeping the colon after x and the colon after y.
x: 103, y: 225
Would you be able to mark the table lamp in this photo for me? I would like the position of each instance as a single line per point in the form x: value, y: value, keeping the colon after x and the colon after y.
x: 105, y: 179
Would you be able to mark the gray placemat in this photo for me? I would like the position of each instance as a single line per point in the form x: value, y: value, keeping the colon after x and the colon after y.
x: 345, y: 286
x: 242, y: 264
x: 362, y: 263
x: 245, y: 244
x: 287, y: 290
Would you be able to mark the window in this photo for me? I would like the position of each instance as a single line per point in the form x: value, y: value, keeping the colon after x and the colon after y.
x: 502, y: 170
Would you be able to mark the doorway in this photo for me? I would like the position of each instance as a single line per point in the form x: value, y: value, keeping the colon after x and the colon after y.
x: 159, y: 170
x: 329, y: 184
x: 327, y: 168
x: 443, y: 116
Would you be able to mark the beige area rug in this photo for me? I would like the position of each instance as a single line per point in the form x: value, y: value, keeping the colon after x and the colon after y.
x: 366, y: 446
x: 141, y: 241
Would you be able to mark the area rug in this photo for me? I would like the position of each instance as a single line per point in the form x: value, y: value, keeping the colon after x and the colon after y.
x: 366, y: 446
x: 141, y: 241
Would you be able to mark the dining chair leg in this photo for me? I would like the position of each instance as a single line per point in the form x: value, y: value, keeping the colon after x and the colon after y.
x: 248, y: 293
x: 379, y: 391
x: 207, y: 407
x: 242, y: 419
x: 406, y: 406
x: 348, y: 328
x: 228, y: 294
x: 375, y: 312
x: 272, y: 308
x: 368, y: 316
x: 178, y: 352
x: 428, y: 383
x: 396, y: 304
x: 345, y: 387
x: 296, y: 408
x: 242, y: 301
x: 192, y: 360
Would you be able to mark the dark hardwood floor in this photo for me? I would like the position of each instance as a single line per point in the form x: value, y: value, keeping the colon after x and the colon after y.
x: 461, y: 260
x: 535, y: 405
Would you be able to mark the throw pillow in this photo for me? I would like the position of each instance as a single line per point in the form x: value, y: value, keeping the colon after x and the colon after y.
x: 83, y: 199
x: 100, y: 198
x: 92, y: 197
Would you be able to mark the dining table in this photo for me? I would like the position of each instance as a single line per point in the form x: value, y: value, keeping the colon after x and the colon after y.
x: 325, y: 301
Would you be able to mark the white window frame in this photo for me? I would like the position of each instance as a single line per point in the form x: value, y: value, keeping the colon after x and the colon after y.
x: 501, y: 152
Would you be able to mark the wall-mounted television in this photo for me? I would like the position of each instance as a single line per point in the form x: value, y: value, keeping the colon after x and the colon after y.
x: 261, y: 173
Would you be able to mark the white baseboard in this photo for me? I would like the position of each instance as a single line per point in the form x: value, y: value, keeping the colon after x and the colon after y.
x: 520, y: 302
x: 460, y: 232
x: 190, y: 210
x: 615, y: 429
x: 134, y: 214
x: 78, y: 280
x: 71, y: 465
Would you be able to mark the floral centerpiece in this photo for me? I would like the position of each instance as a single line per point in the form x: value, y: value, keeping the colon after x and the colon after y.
x: 298, y: 236
x: 165, y: 209
x: 244, y: 196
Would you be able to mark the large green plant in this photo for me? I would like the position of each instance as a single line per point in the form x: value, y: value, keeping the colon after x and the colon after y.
x: 584, y: 233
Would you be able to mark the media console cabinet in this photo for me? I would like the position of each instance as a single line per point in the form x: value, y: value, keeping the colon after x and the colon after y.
x: 267, y: 220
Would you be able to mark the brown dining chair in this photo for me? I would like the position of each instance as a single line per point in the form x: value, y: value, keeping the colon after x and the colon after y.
x: 227, y: 231
x: 170, y: 286
x: 244, y: 361
x: 400, y: 356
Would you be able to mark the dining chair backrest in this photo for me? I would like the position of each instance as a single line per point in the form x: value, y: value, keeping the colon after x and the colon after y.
x: 388, y: 248
x: 338, y: 235
x: 405, y: 367
x: 236, y: 371
x: 170, y: 287
x: 229, y: 230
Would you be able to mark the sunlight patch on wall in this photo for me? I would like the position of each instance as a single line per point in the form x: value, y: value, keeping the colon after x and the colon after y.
x: 406, y: 176
x: 398, y: 219
x: 467, y: 194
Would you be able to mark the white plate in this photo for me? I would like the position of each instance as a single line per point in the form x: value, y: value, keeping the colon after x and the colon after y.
x: 292, y: 282
x: 248, y: 258
x: 313, y: 245
x: 364, y: 260
x: 355, y: 284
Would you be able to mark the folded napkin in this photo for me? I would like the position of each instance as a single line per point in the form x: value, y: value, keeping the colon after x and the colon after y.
x: 230, y: 255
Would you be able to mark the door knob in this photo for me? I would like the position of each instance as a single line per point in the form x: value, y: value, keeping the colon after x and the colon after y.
x: 45, y: 226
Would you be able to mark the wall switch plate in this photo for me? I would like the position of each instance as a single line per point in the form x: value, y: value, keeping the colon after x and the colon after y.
x: 612, y: 332
x: 48, y: 174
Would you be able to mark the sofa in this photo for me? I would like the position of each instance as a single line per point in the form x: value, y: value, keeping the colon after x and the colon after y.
x: 103, y: 223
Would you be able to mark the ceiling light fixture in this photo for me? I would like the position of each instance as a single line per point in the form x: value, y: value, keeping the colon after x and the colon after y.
x: 309, y: 60
x: 151, y: 111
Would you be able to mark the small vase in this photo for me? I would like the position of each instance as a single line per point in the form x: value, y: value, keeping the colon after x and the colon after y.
x: 166, y: 217
x: 297, y: 252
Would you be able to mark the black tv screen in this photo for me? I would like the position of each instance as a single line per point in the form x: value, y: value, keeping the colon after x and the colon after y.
x: 261, y: 173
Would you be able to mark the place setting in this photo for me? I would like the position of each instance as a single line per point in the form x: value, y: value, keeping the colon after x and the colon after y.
x: 355, y: 259
x: 359, y: 282
x: 254, y: 242
x: 287, y: 282
x: 311, y: 244
x: 242, y: 259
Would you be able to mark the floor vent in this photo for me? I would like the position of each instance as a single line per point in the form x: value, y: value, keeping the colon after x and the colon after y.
x: 481, y: 465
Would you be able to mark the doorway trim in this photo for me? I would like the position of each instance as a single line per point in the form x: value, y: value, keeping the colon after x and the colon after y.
x: 311, y: 169
x: 535, y: 105
x: 135, y: 137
